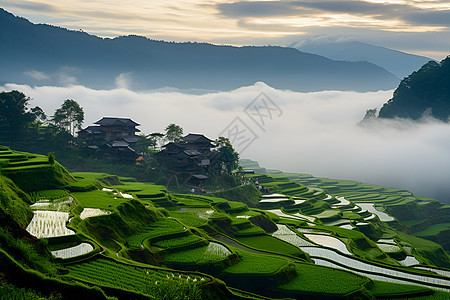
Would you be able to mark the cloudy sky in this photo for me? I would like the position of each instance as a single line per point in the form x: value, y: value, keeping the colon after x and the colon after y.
x: 415, y: 26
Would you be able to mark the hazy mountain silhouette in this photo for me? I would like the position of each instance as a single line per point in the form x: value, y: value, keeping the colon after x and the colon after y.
x: 425, y: 92
x: 399, y: 63
x: 48, y: 55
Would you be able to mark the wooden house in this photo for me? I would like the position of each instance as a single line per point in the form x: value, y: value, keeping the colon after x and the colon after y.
x: 116, y: 137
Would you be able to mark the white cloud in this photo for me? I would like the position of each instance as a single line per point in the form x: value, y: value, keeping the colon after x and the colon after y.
x: 37, y: 75
x: 315, y: 134
x: 123, y: 80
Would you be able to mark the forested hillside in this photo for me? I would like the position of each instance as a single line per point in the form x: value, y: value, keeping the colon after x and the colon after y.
x: 424, y: 93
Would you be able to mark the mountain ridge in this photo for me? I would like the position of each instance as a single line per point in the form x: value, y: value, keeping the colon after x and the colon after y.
x: 40, y: 54
x: 401, y: 64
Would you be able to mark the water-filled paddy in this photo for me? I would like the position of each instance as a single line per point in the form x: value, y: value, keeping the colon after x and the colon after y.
x: 49, y: 224
x: 296, y: 216
x: 342, y: 201
x: 92, y: 212
x: 379, y: 277
x: 409, y: 261
x: 389, y: 248
x: 346, y: 226
x: 435, y: 270
x: 387, y: 241
x: 127, y: 196
x: 353, y: 264
x: 275, y: 196
x: 78, y: 250
x: 371, y: 208
x: 273, y: 200
x: 328, y: 241
x: 287, y: 235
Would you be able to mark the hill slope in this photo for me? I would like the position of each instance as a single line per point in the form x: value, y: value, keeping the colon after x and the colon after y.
x: 426, y: 91
x: 398, y: 63
x: 44, y: 54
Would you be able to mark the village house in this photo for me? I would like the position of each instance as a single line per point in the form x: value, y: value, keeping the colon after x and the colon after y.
x: 190, y: 156
x: 115, y: 137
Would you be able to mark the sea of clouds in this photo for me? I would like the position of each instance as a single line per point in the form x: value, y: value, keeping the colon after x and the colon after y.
x: 314, y: 133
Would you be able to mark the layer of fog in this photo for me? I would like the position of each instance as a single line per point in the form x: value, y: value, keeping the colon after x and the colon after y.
x: 313, y: 133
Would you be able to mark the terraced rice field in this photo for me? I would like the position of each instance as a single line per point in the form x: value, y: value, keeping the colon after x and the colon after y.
x: 389, y: 248
x: 156, y: 229
x: 257, y: 264
x: 319, y: 280
x: 371, y: 208
x: 75, y: 251
x: 204, y: 213
x: 296, y: 216
x: 287, y: 235
x: 387, y: 241
x: 435, y: 270
x: 376, y: 272
x: 274, y: 198
x: 208, y: 254
x: 179, y: 241
x: 143, y: 280
x: 47, y: 224
x: 409, y: 261
x: 328, y: 241
x: 342, y: 201
x: 62, y: 204
x: 346, y: 226
x: 125, y: 195
x: 93, y: 212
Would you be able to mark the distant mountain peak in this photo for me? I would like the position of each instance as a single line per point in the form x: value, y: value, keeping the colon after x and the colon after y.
x: 398, y: 63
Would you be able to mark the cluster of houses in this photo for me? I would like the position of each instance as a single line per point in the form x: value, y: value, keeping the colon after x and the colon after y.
x: 116, y: 138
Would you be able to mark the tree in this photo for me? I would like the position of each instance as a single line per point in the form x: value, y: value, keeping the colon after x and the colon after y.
x: 158, y: 138
x: 144, y: 144
x: 15, y: 116
x: 39, y: 115
x: 174, y: 133
x: 227, y: 158
x: 69, y: 116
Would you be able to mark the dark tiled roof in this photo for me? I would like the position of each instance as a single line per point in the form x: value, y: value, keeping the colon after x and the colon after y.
x: 192, y: 137
x: 117, y: 144
x: 110, y: 121
x: 181, y: 155
x: 192, y: 152
x: 130, y: 139
x: 175, y: 144
x: 92, y: 130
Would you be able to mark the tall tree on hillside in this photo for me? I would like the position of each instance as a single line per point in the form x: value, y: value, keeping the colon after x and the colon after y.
x: 39, y: 115
x: 69, y: 117
x: 226, y: 158
x: 15, y: 117
x: 174, y: 133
